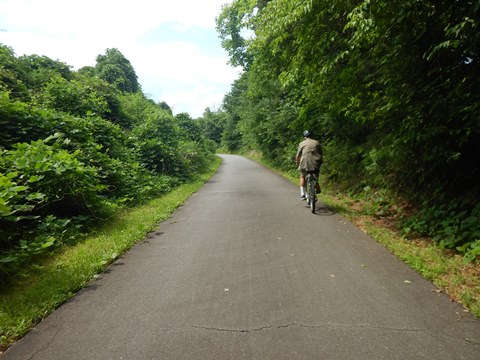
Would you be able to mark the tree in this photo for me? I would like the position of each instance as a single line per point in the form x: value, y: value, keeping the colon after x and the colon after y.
x: 166, y: 107
x: 212, y: 125
x: 117, y: 70
x: 11, y: 73
x: 38, y: 70
x: 188, y: 126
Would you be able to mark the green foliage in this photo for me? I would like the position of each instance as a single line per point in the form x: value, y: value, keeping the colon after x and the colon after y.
x: 166, y: 107
x: 74, y: 97
x: 232, y: 138
x: 189, y: 128
x: 38, y: 70
x: 19, y: 122
x: 233, y: 19
x: 77, y: 146
x: 114, y: 68
x: 195, y: 147
x: 454, y: 225
x: 173, y: 146
x: 11, y: 73
x: 157, y: 142
x: 212, y: 125
x: 42, y: 189
x: 390, y: 88
x: 55, y: 176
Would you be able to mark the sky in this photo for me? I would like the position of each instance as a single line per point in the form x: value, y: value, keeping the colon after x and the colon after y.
x: 172, y: 44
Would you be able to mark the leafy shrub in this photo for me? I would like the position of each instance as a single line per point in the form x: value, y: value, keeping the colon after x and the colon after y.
x: 42, y: 188
x: 11, y: 73
x: 157, y: 141
x: 104, y: 146
x: 38, y: 70
x: 343, y: 165
x: 20, y: 122
x: 74, y: 148
x: 454, y: 225
x: 194, y: 157
x: 75, y: 97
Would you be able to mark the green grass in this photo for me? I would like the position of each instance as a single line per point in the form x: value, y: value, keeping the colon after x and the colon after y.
x: 46, y: 286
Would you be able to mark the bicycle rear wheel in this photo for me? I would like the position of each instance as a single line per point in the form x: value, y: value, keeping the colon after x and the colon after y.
x: 311, y: 193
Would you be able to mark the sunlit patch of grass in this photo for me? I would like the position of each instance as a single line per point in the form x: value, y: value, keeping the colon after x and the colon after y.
x: 45, y: 287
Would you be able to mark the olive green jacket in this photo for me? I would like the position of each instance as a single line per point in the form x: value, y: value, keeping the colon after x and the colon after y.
x: 309, y: 155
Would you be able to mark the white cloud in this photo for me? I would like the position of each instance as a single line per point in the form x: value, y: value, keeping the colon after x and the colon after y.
x: 189, y: 65
x: 113, y: 17
x: 188, y: 82
x: 183, y: 72
x: 194, y: 100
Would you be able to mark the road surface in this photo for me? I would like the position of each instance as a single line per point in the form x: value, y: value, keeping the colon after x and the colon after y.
x: 244, y: 271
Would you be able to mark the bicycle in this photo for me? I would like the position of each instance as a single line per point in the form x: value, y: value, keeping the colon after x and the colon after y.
x: 311, y: 182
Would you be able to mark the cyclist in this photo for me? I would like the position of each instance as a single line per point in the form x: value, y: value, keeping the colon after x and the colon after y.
x: 308, y: 158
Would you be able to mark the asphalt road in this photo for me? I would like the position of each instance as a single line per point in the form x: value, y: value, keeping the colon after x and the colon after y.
x: 244, y: 271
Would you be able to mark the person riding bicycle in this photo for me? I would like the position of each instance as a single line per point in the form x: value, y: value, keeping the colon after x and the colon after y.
x: 308, y: 159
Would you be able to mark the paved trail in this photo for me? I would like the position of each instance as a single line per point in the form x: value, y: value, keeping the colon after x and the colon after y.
x: 244, y: 271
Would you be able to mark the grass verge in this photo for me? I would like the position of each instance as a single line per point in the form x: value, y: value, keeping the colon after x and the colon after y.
x: 445, y: 268
x: 45, y: 287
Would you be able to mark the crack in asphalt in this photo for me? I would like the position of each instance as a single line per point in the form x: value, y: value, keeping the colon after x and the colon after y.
x: 307, y: 326
x: 46, y: 345
x: 474, y: 342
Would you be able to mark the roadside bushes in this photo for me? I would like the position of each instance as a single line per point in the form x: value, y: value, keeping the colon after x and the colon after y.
x: 54, y: 188
x: 74, y: 149
x: 454, y: 225
x: 48, y: 193
x: 20, y: 122
x: 42, y: 189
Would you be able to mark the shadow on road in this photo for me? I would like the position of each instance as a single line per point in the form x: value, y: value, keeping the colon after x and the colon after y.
x: 94, y: 285
x: 323, y: 210
x: 153, y: 235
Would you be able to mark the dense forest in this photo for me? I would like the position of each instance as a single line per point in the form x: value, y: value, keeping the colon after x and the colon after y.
x: 391, y: 88
x: 78, y: 146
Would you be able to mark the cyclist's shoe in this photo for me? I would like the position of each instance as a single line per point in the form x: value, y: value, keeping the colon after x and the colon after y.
x: 302, y: 197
